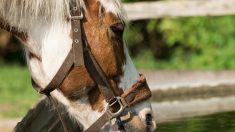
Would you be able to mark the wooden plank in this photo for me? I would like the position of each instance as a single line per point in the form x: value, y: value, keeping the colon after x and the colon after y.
x: 179, y: 8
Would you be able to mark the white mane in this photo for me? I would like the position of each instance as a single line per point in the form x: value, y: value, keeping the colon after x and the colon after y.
x: 24, y: 13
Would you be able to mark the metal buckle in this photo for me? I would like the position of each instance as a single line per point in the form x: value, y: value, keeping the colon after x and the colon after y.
x: 77, y: 17
x: 122, y: 105
x: 75, y: 8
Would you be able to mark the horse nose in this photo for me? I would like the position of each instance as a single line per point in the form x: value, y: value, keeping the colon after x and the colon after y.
x: 138, y: 125
x: 150, y: 123
x: 135, y: 125
x: 147, y: 118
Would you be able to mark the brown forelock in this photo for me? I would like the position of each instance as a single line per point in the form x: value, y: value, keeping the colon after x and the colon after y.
x: 107, y: 49
x: 13, y: 30
x: 22, y: 36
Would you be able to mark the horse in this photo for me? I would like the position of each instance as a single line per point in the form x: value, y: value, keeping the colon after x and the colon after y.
x: 47, y: 30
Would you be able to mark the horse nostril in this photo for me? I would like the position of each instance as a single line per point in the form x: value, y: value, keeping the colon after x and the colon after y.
x: 120, y: 124
x: 148, y: 119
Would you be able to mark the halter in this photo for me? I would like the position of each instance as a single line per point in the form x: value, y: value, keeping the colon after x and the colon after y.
x: 137, y: 93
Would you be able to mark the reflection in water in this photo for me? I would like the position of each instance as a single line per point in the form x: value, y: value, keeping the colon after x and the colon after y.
x: 223, y: 122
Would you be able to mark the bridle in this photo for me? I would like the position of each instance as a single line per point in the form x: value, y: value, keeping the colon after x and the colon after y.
x: 137, y: 93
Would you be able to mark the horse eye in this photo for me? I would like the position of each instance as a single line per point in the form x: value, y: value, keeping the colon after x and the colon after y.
x: 117, y: 28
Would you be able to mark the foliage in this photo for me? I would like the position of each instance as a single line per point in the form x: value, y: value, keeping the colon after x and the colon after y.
x: 183, y: 43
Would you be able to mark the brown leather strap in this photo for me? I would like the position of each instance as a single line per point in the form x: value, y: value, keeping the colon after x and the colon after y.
x: 99, y: 123
x: 135, y: 94
x: 76, y: 16
x: 138, y: 92
x: 75, y: 56
x: 99, y: 77
x: 58, y: 78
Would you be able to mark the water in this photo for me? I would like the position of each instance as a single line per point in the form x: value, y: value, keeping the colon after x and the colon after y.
x: 222, y: 122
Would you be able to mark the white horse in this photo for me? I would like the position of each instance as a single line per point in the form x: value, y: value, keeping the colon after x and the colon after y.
x: 44, y: 28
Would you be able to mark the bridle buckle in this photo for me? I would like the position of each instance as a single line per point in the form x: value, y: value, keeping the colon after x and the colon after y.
x: 118, y: 102
x: 76, y: 17
x: 80, y: 17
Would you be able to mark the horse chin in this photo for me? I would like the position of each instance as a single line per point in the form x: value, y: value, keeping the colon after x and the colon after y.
x: 135, y: 124
x: 147, y: 118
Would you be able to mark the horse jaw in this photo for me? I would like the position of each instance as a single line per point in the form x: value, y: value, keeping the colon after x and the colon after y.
x: 79, y: 110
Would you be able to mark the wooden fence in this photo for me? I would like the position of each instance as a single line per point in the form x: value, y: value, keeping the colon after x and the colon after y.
x: 179, y: 8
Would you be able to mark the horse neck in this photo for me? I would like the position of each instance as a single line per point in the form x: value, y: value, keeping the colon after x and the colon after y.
x: 79, y: 110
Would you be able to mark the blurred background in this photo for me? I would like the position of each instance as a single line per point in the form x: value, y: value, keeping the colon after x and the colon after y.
x: 186, y: 49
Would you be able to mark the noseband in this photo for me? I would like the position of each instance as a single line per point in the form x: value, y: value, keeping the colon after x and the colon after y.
x: 116, y: 104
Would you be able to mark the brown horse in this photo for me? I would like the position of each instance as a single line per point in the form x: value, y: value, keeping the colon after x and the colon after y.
x: 44, y: 27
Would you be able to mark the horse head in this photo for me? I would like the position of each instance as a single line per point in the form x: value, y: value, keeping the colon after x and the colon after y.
x: 45, y: 29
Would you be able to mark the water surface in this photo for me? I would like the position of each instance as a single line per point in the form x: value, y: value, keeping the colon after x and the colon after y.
x: 222, y: 122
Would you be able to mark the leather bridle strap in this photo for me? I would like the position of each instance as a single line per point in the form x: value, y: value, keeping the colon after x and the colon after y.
x: 135, y: 94
x: 58, y: 78
x: 98, y: 76
x: 138, y: 92
x: 75, y: 56
x: 76, y: 17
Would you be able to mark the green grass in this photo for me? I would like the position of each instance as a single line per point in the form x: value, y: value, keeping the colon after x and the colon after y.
x: 16, y: 93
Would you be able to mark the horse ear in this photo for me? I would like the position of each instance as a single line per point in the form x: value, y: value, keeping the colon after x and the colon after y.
x: 93, y: 8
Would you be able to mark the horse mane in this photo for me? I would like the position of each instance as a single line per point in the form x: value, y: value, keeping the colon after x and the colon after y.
x: 23, y: 13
